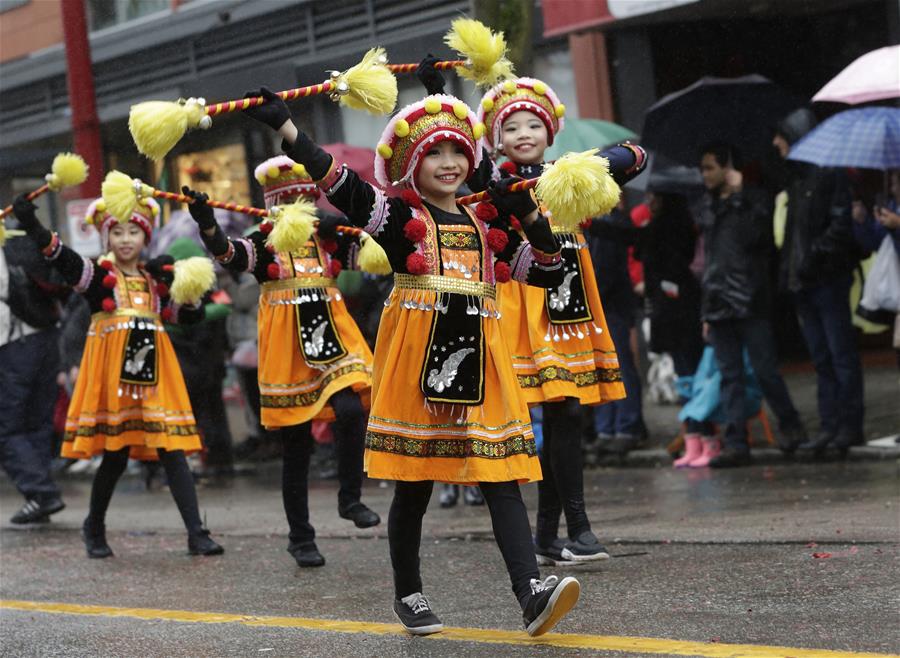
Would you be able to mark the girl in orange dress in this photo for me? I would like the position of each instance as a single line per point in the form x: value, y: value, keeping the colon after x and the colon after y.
x: 313, y: 360
x: 445, y: 402
x: 562, y: 352
x: 129, y: 398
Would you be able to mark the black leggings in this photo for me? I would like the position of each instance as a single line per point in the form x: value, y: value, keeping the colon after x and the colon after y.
x: 349, y: 433
x: 508, y: 517
x: 562, y: 489
x: 181, y: 484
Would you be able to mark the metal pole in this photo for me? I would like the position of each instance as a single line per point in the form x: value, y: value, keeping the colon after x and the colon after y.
x: 82, y: 99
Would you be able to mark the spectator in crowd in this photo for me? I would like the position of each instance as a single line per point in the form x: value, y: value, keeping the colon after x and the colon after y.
x: 29, y: 362
x: 736, y: 228
x: 818, y: 258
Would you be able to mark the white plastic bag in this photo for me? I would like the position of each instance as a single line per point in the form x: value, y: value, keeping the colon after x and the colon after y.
x: 882, y: 289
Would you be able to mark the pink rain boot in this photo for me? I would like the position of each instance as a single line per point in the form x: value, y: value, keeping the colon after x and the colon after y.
x: 693, y: 448
x: 711, y: 449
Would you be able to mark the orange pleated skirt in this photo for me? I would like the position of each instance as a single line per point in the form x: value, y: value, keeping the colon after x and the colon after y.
x: 292, y: 391
x: 99, y: 418
x: 409, y: 440
x: 553, y: 362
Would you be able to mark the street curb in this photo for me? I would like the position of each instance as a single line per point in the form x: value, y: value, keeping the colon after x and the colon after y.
x: 655, y: 457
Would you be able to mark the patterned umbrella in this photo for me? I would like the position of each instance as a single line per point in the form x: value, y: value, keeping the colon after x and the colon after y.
x: 868, y: 138
x: 874, y: 76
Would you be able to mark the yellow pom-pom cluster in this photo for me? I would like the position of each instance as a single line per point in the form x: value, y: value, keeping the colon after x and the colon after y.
x: 272, y: 172
x: 540, y: 88
x: 401, y: 128
x: 478, y: 130
x: 293, y: 226
x: 576, y: 187
x: 193, y: 277
x: 509, y: 86
x: 560, y: 111
x: 432, y: 105
x: 487, y: 104
x: 372, y: 257
x: 460, y: 110
x: 385, y: 151
x: 68, y: 169
x: 299, y: 169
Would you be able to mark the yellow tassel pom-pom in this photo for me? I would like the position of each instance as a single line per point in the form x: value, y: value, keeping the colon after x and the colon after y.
x: 576, y: 187
x: 460, y: 110
x: 261, y: 179
x: 299, y: 169
x: 540, y: 88
x: 272, y: 172
x: 559, y: 111
x: 432, y: 105
x: 372, y: 258
x: 484, y: 50
x: 478, y: 131
x: 157, y: 126
x: 372, y: 86
x: 119, y: 195
x: 487, y: 104
x: 401, y: 128
x: 385, y: 151
x: 294, y: 226
x: 100, y: 206
x: 68, y: 169
x: 193, y: 277
x: 509, y: 86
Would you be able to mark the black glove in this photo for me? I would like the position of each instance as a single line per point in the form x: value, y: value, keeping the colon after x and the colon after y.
x: 202, y: 213
x: 24, y: 210
x: 328, y: 227
x: 515, y: 204
x: 274, y: 112
x: 154, y: 268
x: 430, y: 77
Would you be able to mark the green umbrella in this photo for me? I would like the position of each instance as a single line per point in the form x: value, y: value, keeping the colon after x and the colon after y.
x: 584, y: 134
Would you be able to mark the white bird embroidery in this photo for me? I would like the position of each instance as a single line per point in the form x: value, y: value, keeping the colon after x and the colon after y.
x: 316, y: 343
x: 560, y: 299
x: 135, y: 364
x: 442, y: 380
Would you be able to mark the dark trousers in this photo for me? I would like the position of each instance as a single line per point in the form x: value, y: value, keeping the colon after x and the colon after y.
x: 209, y: 411
x: 28, y: 369
x: 824, y: 313
x: 622, y: 416
x: 729, y: 338
x: 508, y: 517
x: 349, y: 434
x: 562, y: 488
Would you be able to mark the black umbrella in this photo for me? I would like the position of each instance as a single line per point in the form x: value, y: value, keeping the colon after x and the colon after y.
x: 740, y: 111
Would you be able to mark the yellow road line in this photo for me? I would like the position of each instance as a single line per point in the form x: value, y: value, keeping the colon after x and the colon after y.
x: 485, y: 636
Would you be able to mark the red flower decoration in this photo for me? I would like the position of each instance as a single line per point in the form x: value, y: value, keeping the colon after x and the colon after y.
x: 162, y: 290
x: 335, y: 268
x: 515, y: 223
x: 497, y: 240
x: 415, y: 230
x: 411, y: 199
x: 328, y: 246
x: 274, y: 271
x: 415, y: 264
x: 486, y: 211
x: 266, y: 227
x: 109, y: 281
x: 107, y: 264
x: 510, y: 167
x: 166, y: 314
x: 501, y: 272
x: 108, y: 304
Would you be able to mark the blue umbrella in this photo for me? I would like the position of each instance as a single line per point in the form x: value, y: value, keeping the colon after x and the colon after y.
x: 868, y: 138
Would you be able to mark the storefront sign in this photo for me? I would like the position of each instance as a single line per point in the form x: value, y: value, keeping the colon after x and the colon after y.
x: 83, y: 238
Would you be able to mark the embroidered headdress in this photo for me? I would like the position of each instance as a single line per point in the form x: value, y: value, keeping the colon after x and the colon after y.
x: 283, y: 180
x: 526, y: 94
x: 145, y: 215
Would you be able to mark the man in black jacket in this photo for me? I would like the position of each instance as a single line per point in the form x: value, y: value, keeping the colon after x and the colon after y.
x: 818, y: 258
x: 736, y: 306
x: 29, y: 362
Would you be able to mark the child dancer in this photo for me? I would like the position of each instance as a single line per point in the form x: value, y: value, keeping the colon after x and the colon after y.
x: 129, y: 398
x: 313, y: 361
x: 561, y: 349
x: 445, y: 403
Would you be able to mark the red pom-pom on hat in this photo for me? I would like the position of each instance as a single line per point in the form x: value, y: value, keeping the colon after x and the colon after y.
x: 274, y: 271
x: 411, y: 199
x: 166, y: 314
x: 270, y: 248
x: 415, y: 264
x: 335, y: 268
x: 586, y: 224
x: 415, y: 230
x: 266, y: 227
x: 515, y: 223
x: 328, y: 246
x: 107, y: 264
x: 501, y: 272
x: 109, y: 281
x: 162, y: 290
x: 486, y: 211
x: 108, y: 304
x: 510, y: 167
x: 497, y: 240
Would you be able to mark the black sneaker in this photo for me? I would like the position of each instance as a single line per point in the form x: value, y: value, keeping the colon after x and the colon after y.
x: 361, y: 515
x: 306, y: 555
x: 550, y: 600
x: 449, y: 496
x: 202, y: 544
x: 585, y: 548
x: 790, y: 438
x: 34, y: 511
x: 94, y: 536
x: 415, y: 615
x: 551, y: 556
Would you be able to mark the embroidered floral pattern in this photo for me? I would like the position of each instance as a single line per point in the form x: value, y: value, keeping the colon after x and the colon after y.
x: 459, y: 448
x: 557, y: 373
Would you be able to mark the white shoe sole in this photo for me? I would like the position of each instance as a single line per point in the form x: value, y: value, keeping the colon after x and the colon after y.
x: 544, y: 561
x: 420, y: 630
x: 572, y: 557
x: 563, y: 599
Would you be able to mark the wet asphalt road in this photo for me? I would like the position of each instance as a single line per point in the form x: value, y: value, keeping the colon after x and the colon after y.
x: 718, y: 557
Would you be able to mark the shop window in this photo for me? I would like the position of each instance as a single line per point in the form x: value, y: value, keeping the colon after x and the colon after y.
x: 220, y: 172
x: 106, y: 13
